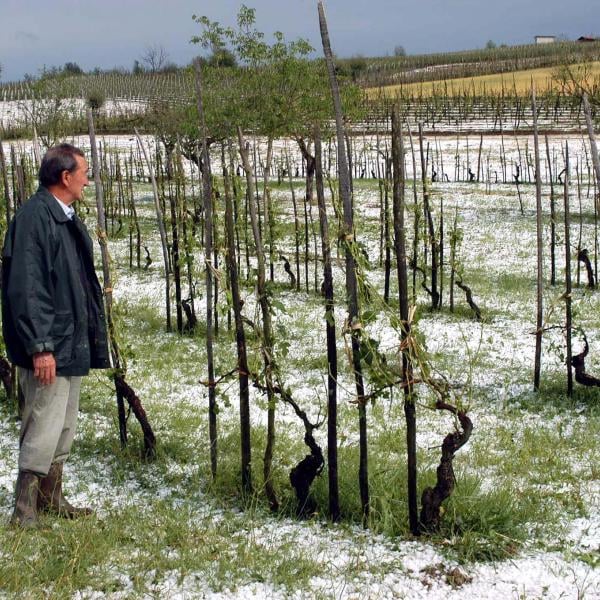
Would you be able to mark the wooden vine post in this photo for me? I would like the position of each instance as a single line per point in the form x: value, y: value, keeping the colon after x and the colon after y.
x: 347, y: 237
x: 407, y: 375
x: 174, y: 206
x: 568, y: 283
x: 240, y: 335
x: 267, y: 207
x: 161, y: 228
x: 296, y: 220
x: 416, y: 219
x: 7, y: 371
x: 594, y: 147
x: 267, y: 330
x: 552, y: 218
x: 4, y: 169
x: 332, y: 455
x: 540, y: 242
x: 208, y: 251
x: 435, y: 295
x: 123, y: 390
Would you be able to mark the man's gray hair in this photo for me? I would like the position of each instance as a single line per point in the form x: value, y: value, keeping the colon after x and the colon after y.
x: 58, y: 159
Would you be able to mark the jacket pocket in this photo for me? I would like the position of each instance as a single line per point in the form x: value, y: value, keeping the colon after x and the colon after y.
x: 63, y: 329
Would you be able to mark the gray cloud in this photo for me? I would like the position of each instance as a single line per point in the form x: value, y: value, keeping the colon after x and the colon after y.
x: 26, y: 36
x: 115, y: 32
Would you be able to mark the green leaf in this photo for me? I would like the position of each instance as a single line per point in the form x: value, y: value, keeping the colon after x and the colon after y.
x: 280, y: 306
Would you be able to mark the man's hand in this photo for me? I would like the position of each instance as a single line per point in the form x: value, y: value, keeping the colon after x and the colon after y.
x: 44, y: 367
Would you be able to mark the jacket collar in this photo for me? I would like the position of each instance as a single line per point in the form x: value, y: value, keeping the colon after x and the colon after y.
x: 55, y: 209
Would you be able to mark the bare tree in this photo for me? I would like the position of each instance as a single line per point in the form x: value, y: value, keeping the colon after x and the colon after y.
x: 155, y: 57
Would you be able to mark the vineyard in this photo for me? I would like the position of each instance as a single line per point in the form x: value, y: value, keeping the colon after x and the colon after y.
x: 473, y: 63
x: 355, y: 354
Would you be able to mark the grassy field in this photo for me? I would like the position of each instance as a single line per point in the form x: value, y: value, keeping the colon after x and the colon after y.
x: 523, y: 521
x: 546, y: 79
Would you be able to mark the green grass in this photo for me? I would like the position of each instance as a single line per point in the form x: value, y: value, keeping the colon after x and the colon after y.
x: 174, y: 536
x: 137, y: 541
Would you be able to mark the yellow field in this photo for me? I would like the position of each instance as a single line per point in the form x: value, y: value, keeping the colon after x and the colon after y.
x: 545, y: 79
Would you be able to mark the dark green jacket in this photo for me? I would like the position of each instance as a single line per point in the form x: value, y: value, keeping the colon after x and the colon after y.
x: 51, y: 297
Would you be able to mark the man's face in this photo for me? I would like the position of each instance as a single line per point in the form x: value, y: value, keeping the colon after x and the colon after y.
x: 75, y: 181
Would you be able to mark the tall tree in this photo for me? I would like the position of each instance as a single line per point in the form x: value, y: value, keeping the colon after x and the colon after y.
x: 155, y: 57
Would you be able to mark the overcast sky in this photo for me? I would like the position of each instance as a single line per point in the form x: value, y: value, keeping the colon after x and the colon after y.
x: 109, y: 33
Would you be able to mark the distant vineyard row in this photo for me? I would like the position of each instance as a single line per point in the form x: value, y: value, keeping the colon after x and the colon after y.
x: 368, y: 72
x: 373, y: 72
x: 121, y: 100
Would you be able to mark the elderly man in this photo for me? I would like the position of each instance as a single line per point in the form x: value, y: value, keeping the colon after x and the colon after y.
x: 54, y: 328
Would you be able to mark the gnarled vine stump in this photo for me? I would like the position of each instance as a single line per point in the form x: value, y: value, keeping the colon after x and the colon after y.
x: 578, y: 362
x: 433, y: 497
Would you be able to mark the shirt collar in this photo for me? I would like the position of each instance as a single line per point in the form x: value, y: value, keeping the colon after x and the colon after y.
x: 68, y: 210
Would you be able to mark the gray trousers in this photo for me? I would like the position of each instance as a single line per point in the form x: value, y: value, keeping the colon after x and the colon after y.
x: 49, y: 421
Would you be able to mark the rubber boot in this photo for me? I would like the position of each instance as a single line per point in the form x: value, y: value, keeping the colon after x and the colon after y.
x: 26, y: 498
x: 51, y: 499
